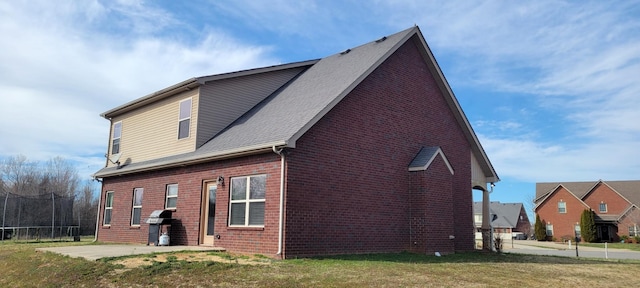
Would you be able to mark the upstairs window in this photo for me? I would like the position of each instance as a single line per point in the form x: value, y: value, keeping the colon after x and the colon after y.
x: 603, y: 207
x: 115, y: 142
x: 247, y: 201
x: 184, y: 122
x: 172, y: 197
x: 562, y: 207
x: 136, y: 210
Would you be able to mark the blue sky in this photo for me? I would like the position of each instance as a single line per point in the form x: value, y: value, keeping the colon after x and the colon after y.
x: 552, y: 88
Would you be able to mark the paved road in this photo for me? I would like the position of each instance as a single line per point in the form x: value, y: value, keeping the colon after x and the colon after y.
x: 556, y: 249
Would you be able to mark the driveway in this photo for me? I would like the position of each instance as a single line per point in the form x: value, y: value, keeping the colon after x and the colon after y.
x: 95, y: 252
x: 558, y: 249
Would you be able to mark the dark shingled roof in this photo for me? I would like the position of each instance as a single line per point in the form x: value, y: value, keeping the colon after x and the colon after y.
x: 283, y: 117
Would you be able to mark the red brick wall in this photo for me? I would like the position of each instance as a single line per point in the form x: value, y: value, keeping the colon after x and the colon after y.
x: 615, y: 203
x: 190, y: 180
x: 348, y: 183
x: 563, y: 223
x: 431, y: 206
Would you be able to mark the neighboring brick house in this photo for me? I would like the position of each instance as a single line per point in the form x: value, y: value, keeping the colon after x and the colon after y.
x: 363, y: 151
x: 615, y: 204
x: 511, y: 219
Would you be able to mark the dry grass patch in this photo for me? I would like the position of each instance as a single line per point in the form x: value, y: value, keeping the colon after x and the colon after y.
x: 189, y: 257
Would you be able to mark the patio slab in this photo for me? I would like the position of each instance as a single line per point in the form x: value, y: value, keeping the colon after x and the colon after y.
x: 95, y: 252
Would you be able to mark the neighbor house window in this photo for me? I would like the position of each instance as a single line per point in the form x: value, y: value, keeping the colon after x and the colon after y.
x: 108, y: 207
x: 634, y: 230
x: 549, y: 229
x: 185, y: 118
x: 477, y: 218
x: 115, y: 142
x: 137, y: 207
x: 247, y: 201
x: 172, y: 197
x: 603, y: 207
x: 562, y: 207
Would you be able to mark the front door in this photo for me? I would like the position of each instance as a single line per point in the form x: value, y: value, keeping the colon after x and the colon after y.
x: 209, y: 213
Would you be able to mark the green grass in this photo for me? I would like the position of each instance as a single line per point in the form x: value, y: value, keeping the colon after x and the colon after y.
x: 21, y: 266
x: 617, y: 245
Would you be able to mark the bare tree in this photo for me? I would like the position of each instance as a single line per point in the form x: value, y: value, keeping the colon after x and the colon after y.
x: 21, y: 177
x: 85, y: 208
x: 61, y: 177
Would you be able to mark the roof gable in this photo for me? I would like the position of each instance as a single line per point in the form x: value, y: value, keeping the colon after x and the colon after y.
x: 508, y: 213
x: 425, y: 157
x: 541, y: 201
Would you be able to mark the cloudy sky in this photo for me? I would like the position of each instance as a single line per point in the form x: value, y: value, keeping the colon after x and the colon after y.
x: 552, y: 88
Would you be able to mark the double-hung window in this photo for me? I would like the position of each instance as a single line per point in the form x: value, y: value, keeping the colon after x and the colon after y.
x: 108, y: 207
x: 115, y: 140
x: 562, y: 207
x: 184, y: 122
x: 246, y: 207
x: 136, y: 210
x: 634, y: 230
x: 171, y: 197
x: 603, y: 207
x: 549, y: 229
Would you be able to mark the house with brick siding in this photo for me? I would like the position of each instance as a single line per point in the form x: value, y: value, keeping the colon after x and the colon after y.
x: 615, y: 204
x: 363, y: 151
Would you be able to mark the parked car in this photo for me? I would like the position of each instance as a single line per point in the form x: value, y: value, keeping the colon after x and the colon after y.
x: 519, y: 236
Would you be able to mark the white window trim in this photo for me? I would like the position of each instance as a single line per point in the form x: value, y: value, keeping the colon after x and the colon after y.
x: 134, y: 207
x: 565, y: 207
x: 167, y: 196
x: 247, y: 201
x: 114, y: 138
x: 110, y: 208
x: 606, y: 208
x: 185, y: 118
x: 547, y: 230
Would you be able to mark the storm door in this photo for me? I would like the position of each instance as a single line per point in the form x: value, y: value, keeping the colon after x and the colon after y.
x: 209, y: 213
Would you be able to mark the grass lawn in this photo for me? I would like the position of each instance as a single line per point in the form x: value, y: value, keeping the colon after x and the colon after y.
x: 22, y: 266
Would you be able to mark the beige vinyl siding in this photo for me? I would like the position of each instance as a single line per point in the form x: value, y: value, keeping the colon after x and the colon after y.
x: 477, y: 175
x: 151, y: 132
x: 224, y: 101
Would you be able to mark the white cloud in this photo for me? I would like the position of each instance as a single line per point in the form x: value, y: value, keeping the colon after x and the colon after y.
x: 68, y: 61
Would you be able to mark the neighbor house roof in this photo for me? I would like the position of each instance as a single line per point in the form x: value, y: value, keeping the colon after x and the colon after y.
x: 630, y: 190
x: 285, y: 116
x: 507, y: 213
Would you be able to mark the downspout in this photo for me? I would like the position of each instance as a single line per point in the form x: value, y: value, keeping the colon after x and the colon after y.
x: 95, y: 234
x: 280, y: 220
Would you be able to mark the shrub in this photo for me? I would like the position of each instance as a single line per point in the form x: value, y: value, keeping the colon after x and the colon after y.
x: 540, y: 229
x: 588, y: 226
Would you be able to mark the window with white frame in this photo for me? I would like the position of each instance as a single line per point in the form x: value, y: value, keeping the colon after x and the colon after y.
x: 108, y: 207
x: 603, y: 207
x: 136, y: 210
x: 246, y: 207
x: 549, y: 229
x: 477, y: 218
x: 115, y: 140
x: 562, y: 207
x: 184, y: 121
x: 634, y: 230
x: 171, y: 197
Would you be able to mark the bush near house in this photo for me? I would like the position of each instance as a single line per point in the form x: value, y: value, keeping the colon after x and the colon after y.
x: 588, y: 226
x: 540, y: 229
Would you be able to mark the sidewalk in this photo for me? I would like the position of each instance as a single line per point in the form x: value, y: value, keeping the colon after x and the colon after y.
x: 562, y: 249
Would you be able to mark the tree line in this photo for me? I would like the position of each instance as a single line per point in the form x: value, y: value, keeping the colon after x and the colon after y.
x: 31, y: 181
